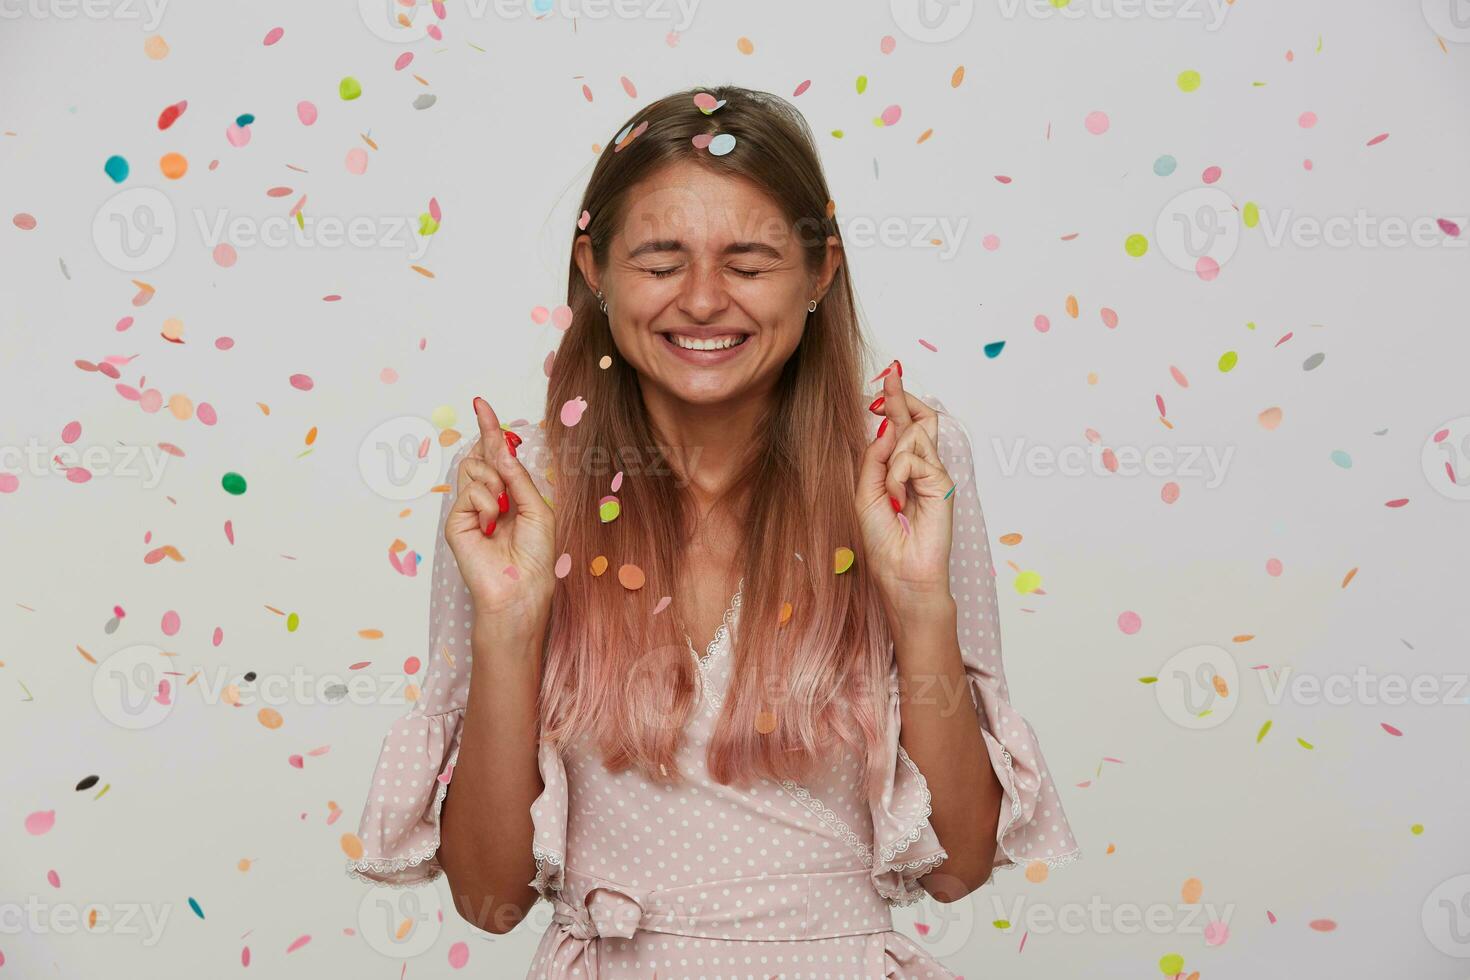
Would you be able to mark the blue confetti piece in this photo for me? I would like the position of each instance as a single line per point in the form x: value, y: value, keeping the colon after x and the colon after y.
x: 197, y: 910
x: 116, y: 168
x: 1164, y: 165
x: 245, y: 119
x: 994, y: 348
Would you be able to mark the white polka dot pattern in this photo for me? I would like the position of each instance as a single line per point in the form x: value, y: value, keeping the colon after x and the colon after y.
x: 705, y: 879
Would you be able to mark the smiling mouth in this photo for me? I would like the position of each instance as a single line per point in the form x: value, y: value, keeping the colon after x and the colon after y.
x: 713, y: 344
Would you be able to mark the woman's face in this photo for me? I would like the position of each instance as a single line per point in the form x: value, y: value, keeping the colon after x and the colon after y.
x: 705, y: 261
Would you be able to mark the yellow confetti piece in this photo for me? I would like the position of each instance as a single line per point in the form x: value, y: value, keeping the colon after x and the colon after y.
x: 1028, y: 582
x: 1417, y: 829
x: 842, y: 559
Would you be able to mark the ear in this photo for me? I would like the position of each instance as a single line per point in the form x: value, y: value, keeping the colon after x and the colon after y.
x: 582, y: 254
x: 830, y: 264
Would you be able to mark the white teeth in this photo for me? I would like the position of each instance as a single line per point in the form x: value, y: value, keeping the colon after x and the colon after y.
x: 720, y: 343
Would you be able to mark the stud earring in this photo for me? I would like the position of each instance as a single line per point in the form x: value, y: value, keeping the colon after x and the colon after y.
x: 812, y: 307
x: 602, y: 301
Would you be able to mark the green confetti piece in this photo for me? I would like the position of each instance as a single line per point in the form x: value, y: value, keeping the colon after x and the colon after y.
x: 233, y: 483
x: 349, y: 88
x: 1305, y: 744
x: 862, y: 84
x: 1188, y: 80
x: 1171, y: 964
x: 1228, y: 361
x: 1251, y: 214
x: 1148, y: 680
x: 292, y: 621
x: 1262, y: 733
x: 1002, y: 923
x: 1136, y: 245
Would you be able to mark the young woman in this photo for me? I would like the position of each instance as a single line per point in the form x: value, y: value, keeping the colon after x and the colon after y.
x: 844, y: 743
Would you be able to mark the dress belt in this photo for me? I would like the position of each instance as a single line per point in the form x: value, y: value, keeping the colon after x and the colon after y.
x: 767, y: 908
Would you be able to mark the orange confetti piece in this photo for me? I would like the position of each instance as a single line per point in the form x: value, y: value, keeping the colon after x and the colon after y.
x: 1349, y: 576
x: 311, y: 436
x: 87, y: 656
x: 957, y: 77
x: 1010, y: 539
x: 1243, y: 638
x: 422, y: 271
x: 370, y: 634
x: 270, y: 718
x: 352, y: 846
x: 744, y: 46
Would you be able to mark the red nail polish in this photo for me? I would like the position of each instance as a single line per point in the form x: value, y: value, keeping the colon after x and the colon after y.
x: 900, y: 366
x: 883, y: 425
x: 478, y: 400
x: 512, y: 441
x: 502, y: 502
x: 893, y: 502
x: 489, y: 528
x: 877, y: 405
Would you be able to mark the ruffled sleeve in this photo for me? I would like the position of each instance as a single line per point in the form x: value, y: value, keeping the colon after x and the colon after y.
x: 399, y: 828
x: 1032, y: 825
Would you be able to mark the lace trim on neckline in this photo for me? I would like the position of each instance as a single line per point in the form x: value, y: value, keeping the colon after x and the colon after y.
x: 721, y: 632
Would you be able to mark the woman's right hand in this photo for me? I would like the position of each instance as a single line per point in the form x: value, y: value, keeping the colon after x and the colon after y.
x: 501, y: 531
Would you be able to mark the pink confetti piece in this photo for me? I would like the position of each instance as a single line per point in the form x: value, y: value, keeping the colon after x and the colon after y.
x: 245, y: 956
x: 230, y: 531
x: 1322, y: 925
x: 459, y: 955
x: 1042, y: 323
x: 434, y: 211
x: 1097, y: 122
x: 1159, y: 401
x: 403, y: 61
x: 357, y: 161
x: 1307, y: 120
x: 1449, y: 227
x: 170, y: 624
x: 40, y: 822
x: 306, y: 112
x: 297, y: 761
x: 9, y: 482
x: 891, y: 115
x: 225, y: 255
x: 127, y: 321
x: 1002, y: 179
x: 561, y: 317
x: 1109, y: 318
x: 218, y: 637
x: 1130, y: 622
x: 24, y: 222
x: 1207, y: 269
x: 298, y: 943
x: 71, y: 432
x: 990, y: 243
x: 1389, y: 728
x: 584, y: 220
x: 586, y: 92
x: 1210, y: 175
x: 412, y: 665
x: 904, y: 523
x: 53, y: 879
x: 1396, y: 503
x: 662, y: 604
x: 924, y: 343
x: 273, y: 35
x: 629, y: 87
x: 302, y: 382
x: 1216, y: 933
x: 1273, y: 567
x: 572, y: 410
x: 800, y: 89
x: 1270, y: 917
x: 1378, y: 139
x: 701, y: 141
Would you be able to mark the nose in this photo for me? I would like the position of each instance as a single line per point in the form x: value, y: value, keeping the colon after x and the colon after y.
x: 703, y: 296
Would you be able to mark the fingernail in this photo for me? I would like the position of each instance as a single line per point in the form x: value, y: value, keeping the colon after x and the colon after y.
x: 877, y: 405
x: 502, y: 502
x: 893, y: 502
x: 478, y: 402
x: 881, y: 427
x: 900, y: 366
x: 489, y: 528
x: 512, y: 441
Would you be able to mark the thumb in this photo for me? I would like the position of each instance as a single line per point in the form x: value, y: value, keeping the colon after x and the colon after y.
x: 518, y: 483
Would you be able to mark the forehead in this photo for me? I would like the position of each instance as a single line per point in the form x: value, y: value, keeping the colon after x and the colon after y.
x: 700, y: 207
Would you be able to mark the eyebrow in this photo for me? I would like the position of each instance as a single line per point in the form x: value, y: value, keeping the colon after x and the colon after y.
x: 657, y: 245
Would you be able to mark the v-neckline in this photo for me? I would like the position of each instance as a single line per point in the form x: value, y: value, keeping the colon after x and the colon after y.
x: 721, y: 632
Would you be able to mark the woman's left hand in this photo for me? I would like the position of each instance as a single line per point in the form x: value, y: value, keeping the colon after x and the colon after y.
x: 901, y: 474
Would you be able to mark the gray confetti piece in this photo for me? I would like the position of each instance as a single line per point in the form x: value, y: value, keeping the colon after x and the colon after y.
x: 1314, y: 361
x: 424, y: 101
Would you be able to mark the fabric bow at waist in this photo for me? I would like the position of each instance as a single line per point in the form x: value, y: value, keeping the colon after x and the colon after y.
x: 773, y: 907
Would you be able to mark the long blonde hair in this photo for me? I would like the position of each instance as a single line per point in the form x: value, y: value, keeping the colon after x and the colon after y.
x: 615, y: 671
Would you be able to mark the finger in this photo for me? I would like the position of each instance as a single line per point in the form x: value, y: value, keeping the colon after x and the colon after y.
x: 491, y: 435
x: 483, y: 501
x: 906, y: 469
x: 479, y: 471
x: 917, y: 442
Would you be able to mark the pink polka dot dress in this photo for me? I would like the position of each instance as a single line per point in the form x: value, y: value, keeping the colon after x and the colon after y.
x: 705, y: 880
